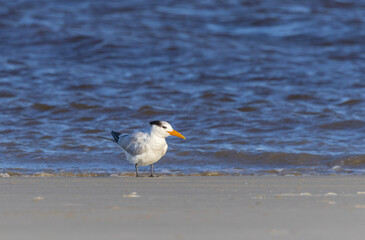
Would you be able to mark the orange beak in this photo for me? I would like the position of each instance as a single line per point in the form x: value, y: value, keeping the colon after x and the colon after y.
x: 176, y: 133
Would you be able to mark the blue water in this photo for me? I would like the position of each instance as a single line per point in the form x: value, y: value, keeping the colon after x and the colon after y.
x: 257, y: 87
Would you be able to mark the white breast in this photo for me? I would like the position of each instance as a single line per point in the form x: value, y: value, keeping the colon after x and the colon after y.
x: 153, y: 150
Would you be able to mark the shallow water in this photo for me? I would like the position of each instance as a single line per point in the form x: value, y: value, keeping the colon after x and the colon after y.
x: 257, y: 87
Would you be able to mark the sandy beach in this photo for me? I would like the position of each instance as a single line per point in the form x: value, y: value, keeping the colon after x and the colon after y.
x: 190, y: 207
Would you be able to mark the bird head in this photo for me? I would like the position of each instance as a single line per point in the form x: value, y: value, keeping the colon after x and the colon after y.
x: 164, y: 129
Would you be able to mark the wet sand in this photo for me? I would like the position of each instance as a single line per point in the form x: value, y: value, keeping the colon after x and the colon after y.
x: 216, y: 207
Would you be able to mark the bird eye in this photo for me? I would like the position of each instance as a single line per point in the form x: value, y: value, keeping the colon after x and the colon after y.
x: 164, y: 127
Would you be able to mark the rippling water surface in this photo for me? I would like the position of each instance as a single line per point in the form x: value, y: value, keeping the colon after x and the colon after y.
x: 257, y: 87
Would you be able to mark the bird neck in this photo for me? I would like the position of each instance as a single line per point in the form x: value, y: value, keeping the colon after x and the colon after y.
x: 157, y: 139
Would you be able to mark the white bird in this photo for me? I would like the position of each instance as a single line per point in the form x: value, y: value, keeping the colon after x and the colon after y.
x: 144, y: 149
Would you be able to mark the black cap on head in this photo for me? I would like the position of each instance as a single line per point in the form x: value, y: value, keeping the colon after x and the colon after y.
x: 157, y: 123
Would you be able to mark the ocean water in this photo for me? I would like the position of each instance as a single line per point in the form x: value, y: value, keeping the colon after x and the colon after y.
x: 257, y: 87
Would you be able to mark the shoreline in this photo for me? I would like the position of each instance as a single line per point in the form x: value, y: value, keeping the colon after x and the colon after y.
x: 183, y: 207
x: 272, y: 173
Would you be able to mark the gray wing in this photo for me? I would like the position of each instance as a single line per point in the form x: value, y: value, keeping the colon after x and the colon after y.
x: 134, y: 144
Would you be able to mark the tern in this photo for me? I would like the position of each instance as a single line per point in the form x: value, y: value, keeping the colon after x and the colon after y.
x: 143, y: 149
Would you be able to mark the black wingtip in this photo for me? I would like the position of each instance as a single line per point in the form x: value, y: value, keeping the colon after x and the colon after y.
x: 115, y: 135
x: 157, y: 123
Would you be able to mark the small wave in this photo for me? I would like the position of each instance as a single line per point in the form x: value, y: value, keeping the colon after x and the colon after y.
x: 81, y: 106
x: 148, y: 110
x: 302, y: 97
x: 343, y: 125
x: 82, y: 87
x: 75, y: 147
x: 226, y: 99
x: 79, y: 38
x: 355, y: 161
x: 31, y: 122
x: 350, y: 102
x: 339, y: 4
x: 85, y: 119
x: 93, y: 131
x: 6, y: 94
x: 70, y: 174
x: 270, y: 158
x: 247, y: 109
x: 281, y: 172
x: 42, y: 107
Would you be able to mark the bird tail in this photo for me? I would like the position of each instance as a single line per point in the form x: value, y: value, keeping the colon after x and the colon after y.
x: 115, y: 136
x: 106, y: 138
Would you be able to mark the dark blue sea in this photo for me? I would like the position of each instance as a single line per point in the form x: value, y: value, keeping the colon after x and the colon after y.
x: 257, y: 87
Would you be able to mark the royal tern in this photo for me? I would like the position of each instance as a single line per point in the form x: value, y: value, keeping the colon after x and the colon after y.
x: 144, y: 149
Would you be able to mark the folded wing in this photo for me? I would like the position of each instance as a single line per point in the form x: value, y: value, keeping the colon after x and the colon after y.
x: 134, y: 144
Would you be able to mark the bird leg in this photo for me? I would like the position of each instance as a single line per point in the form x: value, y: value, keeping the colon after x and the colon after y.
x: 136, y: 170
x: 152, y: 171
